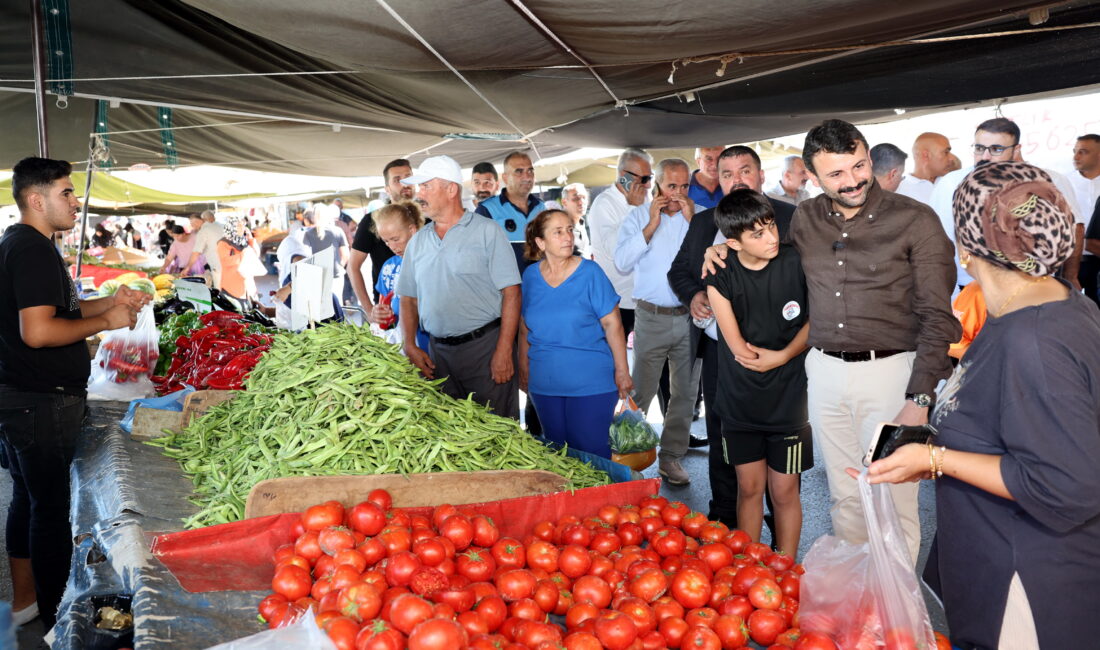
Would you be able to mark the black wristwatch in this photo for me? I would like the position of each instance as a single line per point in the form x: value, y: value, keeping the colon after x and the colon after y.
x: 923, y: 400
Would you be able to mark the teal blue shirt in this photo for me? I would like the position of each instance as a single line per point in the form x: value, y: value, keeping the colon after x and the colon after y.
x: 569, y: 353
x: 457, y: 280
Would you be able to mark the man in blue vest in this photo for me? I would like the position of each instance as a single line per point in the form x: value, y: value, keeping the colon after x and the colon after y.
x: 514, y: 206
x: 704, y: 188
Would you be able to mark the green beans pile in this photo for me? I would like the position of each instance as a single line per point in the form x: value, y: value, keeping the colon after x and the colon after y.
x: 338, y: 400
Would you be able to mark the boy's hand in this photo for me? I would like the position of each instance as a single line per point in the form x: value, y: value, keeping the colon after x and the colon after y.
x: 765, y: 359
x: 713, y: 259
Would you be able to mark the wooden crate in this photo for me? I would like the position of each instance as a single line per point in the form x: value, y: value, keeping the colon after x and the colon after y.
x: 150, y: 423
x: 294, y: 494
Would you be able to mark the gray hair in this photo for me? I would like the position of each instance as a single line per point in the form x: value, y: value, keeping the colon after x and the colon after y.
x: 789, y: 160
x: 633, y: 153
x: 886, y: 157
x: 579, y: 188
x: 208, y: 215
x: 662, y: 167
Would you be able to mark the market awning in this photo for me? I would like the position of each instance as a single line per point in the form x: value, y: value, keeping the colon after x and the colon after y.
x: 342, y: 87
x: 115, y: 193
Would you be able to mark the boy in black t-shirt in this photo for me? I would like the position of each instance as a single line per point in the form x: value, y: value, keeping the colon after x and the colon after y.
x: 759, y: 302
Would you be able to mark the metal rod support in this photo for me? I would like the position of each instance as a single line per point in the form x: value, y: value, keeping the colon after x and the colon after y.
x: 37, y: 38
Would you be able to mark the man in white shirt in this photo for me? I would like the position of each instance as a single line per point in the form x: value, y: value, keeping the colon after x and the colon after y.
x: 931, y: 160
x: 606, y: 215
x: 888, y: 165
x: 1086, y: 186
x: 648, y: 242
x: 998, y: 140
x: 574, y: 201
x: 326, y: 234
x: 206, y: 244
x: 792, y: 183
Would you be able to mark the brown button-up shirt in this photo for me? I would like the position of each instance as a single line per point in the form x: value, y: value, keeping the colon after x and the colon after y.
x: 881, y: 280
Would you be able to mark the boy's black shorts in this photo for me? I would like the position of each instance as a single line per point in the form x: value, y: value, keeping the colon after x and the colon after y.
x: 786, y: 453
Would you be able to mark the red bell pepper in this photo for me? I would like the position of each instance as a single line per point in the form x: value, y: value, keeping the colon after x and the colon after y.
x: 389, y: 322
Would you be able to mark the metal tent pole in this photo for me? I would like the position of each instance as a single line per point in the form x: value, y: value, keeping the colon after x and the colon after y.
x: 39, y: 76
x: 87, y: 194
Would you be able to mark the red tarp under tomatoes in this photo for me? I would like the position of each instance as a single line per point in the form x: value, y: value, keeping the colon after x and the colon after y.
x: 240, y: 556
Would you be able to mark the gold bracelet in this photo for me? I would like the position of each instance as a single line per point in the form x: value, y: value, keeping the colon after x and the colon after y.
x: 932, y: 461
x: 939, y: 462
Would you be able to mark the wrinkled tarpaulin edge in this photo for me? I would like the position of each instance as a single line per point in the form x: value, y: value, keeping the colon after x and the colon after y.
x: 113, y: 480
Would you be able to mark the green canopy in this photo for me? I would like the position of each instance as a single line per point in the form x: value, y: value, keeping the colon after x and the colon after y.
x: 113, y: 192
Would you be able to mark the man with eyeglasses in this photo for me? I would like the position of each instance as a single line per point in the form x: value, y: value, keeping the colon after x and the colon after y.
x: 649, y: 239
x: 605, y: 216
x: 515, y: 206
x: 998, y: 140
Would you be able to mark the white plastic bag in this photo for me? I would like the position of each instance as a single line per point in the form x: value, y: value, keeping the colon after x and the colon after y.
x: 866, y: 595
x: 251, y: 266
x: 301, y: 635
x: 125, y: 361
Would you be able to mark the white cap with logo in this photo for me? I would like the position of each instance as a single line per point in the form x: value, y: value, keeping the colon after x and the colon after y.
x: 443, y: 167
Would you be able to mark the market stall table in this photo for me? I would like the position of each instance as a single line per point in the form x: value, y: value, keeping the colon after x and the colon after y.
x: 123, y: 492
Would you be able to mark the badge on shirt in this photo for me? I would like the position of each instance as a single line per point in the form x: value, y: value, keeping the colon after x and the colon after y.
x: 791, y: 310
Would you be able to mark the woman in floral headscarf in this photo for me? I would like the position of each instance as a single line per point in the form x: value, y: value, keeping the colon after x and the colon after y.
x: 1018, y: 449
x: 231, y: 253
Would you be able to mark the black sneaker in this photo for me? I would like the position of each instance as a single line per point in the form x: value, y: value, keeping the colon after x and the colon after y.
x: 696, y: 443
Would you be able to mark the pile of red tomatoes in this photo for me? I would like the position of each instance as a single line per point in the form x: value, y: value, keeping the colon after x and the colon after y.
x: 645, y: 576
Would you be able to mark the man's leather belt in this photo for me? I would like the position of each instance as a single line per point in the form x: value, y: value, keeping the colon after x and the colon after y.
x: 862, y: 355
x: 468, y: 336
x: 661, y: 311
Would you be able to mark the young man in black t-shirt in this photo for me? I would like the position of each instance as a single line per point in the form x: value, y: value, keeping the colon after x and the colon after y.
x: 44, y: 368
x: 759, y: 302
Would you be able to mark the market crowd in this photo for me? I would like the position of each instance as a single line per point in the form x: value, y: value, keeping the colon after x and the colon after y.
x: 802, y: 322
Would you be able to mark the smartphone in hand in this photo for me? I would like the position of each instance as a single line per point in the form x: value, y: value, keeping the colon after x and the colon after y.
x: 889, y: 436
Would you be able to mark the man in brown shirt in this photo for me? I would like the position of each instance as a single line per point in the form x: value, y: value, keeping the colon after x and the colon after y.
x: 880, y: 271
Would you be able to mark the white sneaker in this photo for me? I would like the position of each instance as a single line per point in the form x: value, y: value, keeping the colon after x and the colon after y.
x: 25, y: 615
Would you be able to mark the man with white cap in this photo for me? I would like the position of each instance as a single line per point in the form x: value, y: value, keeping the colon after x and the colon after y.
x: 459, y: 280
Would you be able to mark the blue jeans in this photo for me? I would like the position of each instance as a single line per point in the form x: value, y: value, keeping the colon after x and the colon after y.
x: 39, y: 432
x: 580, y: 422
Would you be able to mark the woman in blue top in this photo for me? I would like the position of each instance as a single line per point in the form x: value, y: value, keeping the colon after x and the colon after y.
x: 395, y: 224
x: 572, y: 348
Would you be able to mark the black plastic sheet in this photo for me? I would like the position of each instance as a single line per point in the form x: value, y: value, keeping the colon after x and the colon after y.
x: 123, y: 492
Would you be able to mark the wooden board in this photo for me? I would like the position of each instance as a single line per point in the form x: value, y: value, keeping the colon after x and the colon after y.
x: 294, y: 494
x: 198, y: 402
x: 150, y: 423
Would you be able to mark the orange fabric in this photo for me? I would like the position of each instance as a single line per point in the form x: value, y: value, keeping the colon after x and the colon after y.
x: 232, y: 282
x: 969, y: 308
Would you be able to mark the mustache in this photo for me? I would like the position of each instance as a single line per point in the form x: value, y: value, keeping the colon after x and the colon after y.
x: 845, y: 190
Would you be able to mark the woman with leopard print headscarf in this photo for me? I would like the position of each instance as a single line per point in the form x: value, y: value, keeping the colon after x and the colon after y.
x: 1018, y: 449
